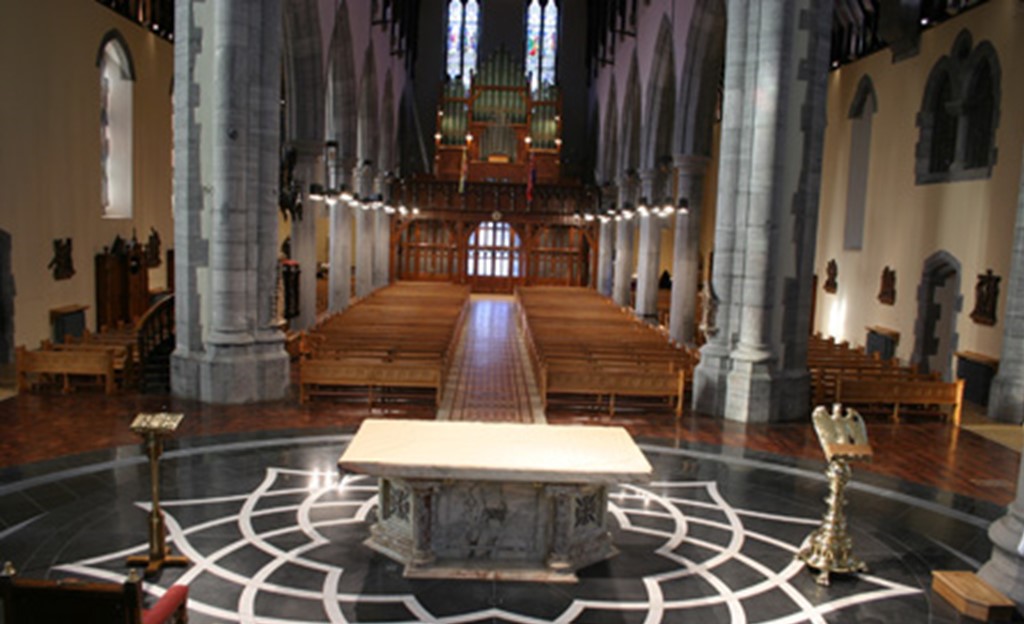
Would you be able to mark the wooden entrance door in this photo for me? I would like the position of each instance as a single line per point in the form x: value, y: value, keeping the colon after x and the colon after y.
x: 494, y: 258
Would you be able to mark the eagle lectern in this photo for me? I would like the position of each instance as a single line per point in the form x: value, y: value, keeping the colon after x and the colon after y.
x: 844, y: 438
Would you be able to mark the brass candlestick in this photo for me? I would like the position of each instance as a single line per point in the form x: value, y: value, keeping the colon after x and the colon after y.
x: 843, y: 438
x: 154, y: 428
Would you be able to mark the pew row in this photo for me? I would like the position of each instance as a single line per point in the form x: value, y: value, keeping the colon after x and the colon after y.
x: 909, y: 396
x: 580, y: 344
x: 72, y: 367
x: 398, y: 338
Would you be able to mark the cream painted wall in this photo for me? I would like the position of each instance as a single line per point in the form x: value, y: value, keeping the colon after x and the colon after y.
x: 49, y: 155
x: 906, y: 223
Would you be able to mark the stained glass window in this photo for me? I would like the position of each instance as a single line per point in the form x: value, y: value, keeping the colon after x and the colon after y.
x: 541, y: 42
x: 454, y: 39
x: 462, y: 37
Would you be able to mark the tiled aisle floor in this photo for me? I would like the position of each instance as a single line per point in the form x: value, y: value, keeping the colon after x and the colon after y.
x: 491, y: 379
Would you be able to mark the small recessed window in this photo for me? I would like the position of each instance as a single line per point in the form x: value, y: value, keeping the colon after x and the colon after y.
x: 115, y: 123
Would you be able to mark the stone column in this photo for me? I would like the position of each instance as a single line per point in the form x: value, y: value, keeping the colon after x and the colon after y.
x: 686, y: 251
x: 647, y: 270
x: 771, y: 158
x: 339, y: 287
x: 1005, y: 569
x: 623, y: 261
x: 308, y: 168
x: 229, y: 347
x: 606, y: 256
x: 711, y: 374
x: 1006, y: 396
x: 381, y: 248
x: 363, y: 180
x: 645, y: 304
x: 749, y: 395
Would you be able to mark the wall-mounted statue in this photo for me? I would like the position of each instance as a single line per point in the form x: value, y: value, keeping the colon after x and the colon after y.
x: 152, y: 250
x: 986, y: 298
x: 831, y: 277
x: 62, y: 264
x: 887, y: 292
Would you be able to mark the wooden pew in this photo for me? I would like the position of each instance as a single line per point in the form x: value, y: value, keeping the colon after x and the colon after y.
x: 67, y: 364
x: 580, y: 343
x: 902, y: 393
x: 402, y: 336
x: 34, y: 601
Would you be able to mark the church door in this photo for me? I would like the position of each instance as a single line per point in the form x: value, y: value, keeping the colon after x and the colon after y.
x: 939, y: 301
x: 494, y: 258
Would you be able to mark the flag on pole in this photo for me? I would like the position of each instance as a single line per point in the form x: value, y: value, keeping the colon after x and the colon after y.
x: 463, y: 170
x: 531, y: 179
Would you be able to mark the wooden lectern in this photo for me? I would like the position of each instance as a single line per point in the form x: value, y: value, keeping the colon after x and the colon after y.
x: 154, y: 428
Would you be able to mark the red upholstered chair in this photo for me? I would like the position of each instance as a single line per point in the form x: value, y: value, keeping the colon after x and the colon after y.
x: 32, y: 601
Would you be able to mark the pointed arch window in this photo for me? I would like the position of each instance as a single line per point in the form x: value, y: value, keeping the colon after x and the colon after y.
x: 462, y: 38
x: 116, y: 77
x: 541, y: 42
x: 960, y: 114
x: 862, y: 110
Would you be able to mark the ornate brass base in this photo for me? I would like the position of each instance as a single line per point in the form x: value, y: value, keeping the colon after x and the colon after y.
x: 828, y: 548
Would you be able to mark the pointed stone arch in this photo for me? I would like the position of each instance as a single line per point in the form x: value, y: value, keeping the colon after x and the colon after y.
x: 369, y: 130
x: 610, y: 136
x: 386, y: 159
x: 700, y: 86
x: 939, y: 301
x: 630, y: 132
x: 341, y: 91
x: 661, y: 102
x: 302, y: 72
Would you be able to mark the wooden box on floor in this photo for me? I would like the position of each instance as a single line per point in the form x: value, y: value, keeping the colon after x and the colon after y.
x: 972, y: 596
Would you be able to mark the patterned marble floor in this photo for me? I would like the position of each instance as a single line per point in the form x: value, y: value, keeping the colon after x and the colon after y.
x: 491, y: 379
x: 276, y: 537
x: 253, y: 498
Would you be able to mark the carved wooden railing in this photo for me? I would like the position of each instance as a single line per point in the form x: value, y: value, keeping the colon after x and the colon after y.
x: 155, y: 337
x: 428, y: 194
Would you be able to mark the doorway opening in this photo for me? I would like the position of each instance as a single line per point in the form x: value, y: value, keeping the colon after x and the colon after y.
x: 938, y: 303
x: 494, y: 258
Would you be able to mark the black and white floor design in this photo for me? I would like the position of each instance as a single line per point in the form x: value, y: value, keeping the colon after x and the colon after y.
x: 276, y: 537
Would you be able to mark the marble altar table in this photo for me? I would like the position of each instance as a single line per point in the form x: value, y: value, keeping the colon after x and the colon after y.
x: 493, y: 500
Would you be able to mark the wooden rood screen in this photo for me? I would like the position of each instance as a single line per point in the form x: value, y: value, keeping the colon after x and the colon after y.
x: 582, y: 346
x: 399, y: 338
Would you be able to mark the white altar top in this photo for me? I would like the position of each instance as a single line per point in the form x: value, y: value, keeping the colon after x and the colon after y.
x: 509, y: 452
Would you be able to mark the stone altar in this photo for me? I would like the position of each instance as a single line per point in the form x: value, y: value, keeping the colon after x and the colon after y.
x: 495, y: 501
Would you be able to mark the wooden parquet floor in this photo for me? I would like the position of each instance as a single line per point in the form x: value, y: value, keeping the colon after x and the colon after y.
x: 490, y: 384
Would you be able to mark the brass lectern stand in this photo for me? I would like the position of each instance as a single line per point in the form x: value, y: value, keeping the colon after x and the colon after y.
x: 843, y: 438
x: 154, y: 428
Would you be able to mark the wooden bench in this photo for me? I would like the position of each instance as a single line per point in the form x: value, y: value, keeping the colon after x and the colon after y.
x: 97, y: 364
x: 900, y: 393
x: 580, y: 343
x: 328, y: 377
x: 35, y: 601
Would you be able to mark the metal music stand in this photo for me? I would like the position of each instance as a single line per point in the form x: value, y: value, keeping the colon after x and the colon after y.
x: 154, y: 428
